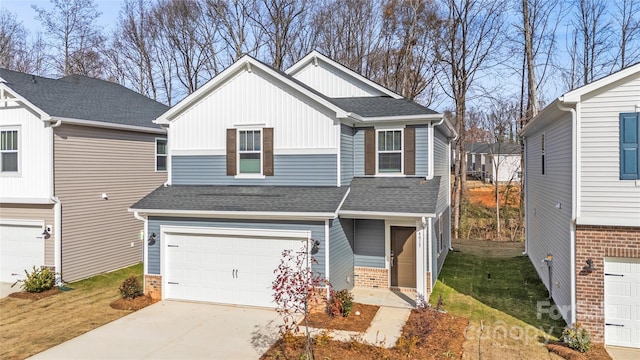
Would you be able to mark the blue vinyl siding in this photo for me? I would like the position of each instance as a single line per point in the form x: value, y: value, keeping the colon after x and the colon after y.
x: 289, y: 170
x: 341, y: 254
x: 441, y: 167
x: 369, y: 243
x: 316, y: 228
x: 346, y: 155
x: 422, y: 151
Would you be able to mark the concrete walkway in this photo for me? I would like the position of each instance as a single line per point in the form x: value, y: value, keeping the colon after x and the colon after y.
x: 621, y: 353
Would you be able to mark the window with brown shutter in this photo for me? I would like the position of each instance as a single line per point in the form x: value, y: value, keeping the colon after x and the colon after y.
x: 267, y: 165
x: 369, y: 152
x: 410, y: 151
x: 231, y: 152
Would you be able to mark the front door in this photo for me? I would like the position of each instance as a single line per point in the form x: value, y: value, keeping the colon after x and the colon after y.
x: 403, y: 256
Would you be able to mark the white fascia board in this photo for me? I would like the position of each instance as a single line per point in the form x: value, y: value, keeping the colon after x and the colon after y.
x: 237, y: 214
x: 398, y: 118
x: 607, y: 221
x: 575, y: 96
x: 315, y: 55
x: 354, y: 214
x: 19, y: 98
x: 244, y: 63
x: 344, y: 198
x: 294, y: 234
x: 17, y: 200
x: 548, y: 112
x: 107, y: 125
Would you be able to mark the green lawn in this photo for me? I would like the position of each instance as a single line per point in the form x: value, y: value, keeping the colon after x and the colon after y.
x: 510, y: 295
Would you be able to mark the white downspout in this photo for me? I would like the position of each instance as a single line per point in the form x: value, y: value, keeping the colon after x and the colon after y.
x: 574, y: 200
x: 426, y: 223
x: 526, y: 213
x: 145, y: 250
x: 57, y: 211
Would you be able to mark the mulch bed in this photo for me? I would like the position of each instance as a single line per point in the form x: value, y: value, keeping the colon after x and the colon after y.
x: 597, y: 352
x: 134, y: 304
x: 34, y: 295
x: 321, y: 320
x: 428, y: 334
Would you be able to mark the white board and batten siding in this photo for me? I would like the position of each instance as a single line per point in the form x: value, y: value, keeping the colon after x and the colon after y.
x: 254, y: 99
x: 334, y: 83
x: 33, y: 179
x: 101, y: 235
x: 548, y: 208
x: 604, y: 199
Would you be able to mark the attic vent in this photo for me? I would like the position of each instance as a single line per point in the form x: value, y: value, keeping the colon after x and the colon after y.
x: 33, y: 79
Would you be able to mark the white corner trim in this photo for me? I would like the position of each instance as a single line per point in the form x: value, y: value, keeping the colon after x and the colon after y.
x: 327, y: 254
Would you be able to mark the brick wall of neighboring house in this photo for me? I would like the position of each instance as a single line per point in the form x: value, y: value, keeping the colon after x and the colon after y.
x: 371, y: 277
x: 596, y: 243
x: 153, y: 286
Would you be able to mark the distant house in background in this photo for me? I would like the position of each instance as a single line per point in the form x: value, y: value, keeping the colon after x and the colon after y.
x: 482, y: 160
x: 582, y: 196
x: 75, y: 153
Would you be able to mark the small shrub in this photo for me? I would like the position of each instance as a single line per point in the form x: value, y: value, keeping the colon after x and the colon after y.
x: 131, y: 288
x: 408, y: 344
x: 340, y: 303
x: 323, y: 338
x: 577, y: 338
x: 38, y: 280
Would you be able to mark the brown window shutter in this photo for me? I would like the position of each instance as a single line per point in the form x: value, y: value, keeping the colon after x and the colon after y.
x: 231, y: 152
x: 267, y: 155
x: 370, y: 152
x: 410, y: 151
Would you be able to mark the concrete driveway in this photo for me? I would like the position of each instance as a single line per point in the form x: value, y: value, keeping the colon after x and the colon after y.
x: 6, y: 289
x: 177, y: 330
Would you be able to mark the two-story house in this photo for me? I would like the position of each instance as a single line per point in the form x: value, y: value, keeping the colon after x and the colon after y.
x: 260, y: 161
x: 75, y: 152
x: 582, y: 194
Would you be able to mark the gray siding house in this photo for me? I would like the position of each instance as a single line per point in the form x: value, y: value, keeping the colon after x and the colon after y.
x: 260, y: 161
x: 75, y: 153
x: 582, y: 198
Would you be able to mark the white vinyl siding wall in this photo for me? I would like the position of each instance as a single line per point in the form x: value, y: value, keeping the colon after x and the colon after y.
x: 97, y: 234
x: 33, y: 179
x: 333, y: 83
x: 254, y: 99
x: 604, y: 199
x: 549, y: 228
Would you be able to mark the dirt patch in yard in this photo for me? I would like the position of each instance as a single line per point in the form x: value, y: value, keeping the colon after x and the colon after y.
x: 25, y: 295
x: 134, y: 304
x: 428, y: 334
x: 486, y: 195
x: 321, y: 320
x: 597, y: 352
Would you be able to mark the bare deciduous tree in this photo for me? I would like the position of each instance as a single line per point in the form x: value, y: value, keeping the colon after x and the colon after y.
x: 12, y: 38
x: 471, y: 41
x: 74, y: 36
x: 628, y: 21
x: 236, y: 29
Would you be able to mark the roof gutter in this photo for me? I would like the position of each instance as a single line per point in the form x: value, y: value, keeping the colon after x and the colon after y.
x: 367, y: 119
x: 382, y: 214
x: 574, y: 200
x: 238, y: 214
x: 101, y: 124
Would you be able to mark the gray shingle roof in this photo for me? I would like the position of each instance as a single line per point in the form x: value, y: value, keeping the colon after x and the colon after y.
x: 495, y: 148
x: 393, y: 195
x: 84, y: 98
x: 378, y: 106
x: 297, y: 199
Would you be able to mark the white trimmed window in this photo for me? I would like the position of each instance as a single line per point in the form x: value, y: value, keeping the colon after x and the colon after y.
x: 249, y: 151
x: 389, y: 151
x: 161, y: 154
x: 9, y: 150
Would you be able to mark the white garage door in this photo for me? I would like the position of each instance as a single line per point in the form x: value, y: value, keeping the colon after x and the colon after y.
x: 21, y: 248
x: 223, y: 268
x: 622, y: 302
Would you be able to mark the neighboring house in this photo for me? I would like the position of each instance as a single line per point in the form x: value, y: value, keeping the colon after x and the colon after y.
x: 488, y: 162
x: 582, y: 193
x: 64, y: 143
x: 260, y: 161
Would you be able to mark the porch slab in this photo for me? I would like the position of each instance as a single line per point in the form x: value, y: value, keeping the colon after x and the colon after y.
x: 622, y: 353
x: 384, y: 297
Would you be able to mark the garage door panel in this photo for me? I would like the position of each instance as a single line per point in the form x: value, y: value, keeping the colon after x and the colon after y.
x: 622, y: 302
x: 224, y: 268
x: 21, y: 248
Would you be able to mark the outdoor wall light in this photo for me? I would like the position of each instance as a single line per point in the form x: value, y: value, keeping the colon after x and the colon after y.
x: 589, y: 266
x: 45, y: 234
x: 152, y: 239
x: 315, y: 246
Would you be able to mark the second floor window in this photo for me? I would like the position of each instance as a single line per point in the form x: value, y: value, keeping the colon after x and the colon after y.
x: 161, y: 154
x: 9, y: 150
x: 250, y: 151
x: 390, y: 151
